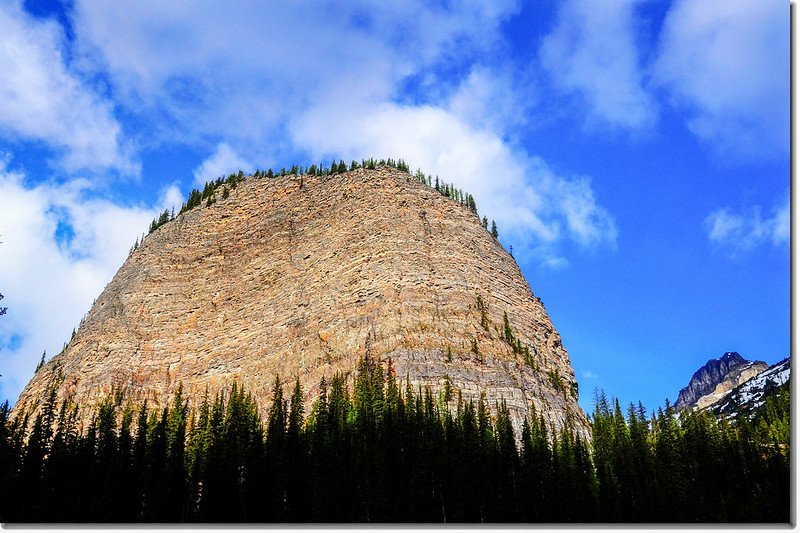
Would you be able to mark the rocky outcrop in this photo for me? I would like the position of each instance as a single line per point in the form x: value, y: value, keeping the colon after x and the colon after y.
x: 732, y: 380
x: 301, y: 276
x: 715, y: 379
x: 749, y: 396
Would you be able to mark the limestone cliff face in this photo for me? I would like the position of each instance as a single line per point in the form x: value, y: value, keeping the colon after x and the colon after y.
x: 300, y: 277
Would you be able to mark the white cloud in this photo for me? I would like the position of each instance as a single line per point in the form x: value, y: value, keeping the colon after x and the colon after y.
x: 781, y: 223
x: 41, y: 100
x: 727, y: 63
x: 593, y: 52
x: 588, y: 374
x: 237, y: 71
x: 744, y: 231
x: 534, y: 207
x: 221, y: 163
x: 492, y: 99
x: 555, y: 263
x: 60, y: 246
x: 587, y: 222
x: 324, y: 80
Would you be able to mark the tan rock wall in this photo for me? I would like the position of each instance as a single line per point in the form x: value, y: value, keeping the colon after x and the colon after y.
x: 297, y: 280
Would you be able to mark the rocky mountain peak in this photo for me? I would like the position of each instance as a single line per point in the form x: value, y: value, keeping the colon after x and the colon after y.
x: 731, y: 358
x: 750, y: 395
x: 301, y: 276
x: 716, y: 378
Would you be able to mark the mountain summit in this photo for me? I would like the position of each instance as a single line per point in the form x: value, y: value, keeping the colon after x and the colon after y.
x: 716, y: 379
x: 304, y: 275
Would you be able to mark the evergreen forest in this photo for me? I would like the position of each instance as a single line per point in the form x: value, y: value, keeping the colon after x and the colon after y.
x: 374, y: 450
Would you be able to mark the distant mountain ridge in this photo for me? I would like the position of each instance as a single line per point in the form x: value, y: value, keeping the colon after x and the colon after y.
x: 751, y: 395
x: 715, y: 379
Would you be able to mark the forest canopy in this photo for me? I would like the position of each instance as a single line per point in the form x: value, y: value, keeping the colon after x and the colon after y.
x: 373, y: 450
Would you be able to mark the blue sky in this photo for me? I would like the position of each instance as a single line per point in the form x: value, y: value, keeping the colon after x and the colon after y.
x: 636, y: 156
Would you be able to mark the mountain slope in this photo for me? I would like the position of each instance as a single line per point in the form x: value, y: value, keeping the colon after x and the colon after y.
x: 715, y: 379
x: 303, y: 275
x: 748, y: 397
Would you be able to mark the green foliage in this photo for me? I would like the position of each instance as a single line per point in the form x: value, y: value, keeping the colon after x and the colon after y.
x: 555, y: 380
x: 771, y: 423
x: 447, y: 390
x: 380, y: 455
x: 685, y: 468
x: 162, y: 219
x: 508, y: 334
x: 40, y: 364
x: 448, y: 190
x: 481, y: 305
x: 517, y: 346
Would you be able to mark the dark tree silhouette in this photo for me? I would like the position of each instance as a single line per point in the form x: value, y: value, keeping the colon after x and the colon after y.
x: 379, y: 455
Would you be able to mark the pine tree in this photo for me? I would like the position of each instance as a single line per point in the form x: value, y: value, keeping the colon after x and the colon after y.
x: 508, y: 334
x: 275, y: 450
x: 156, y: 492
x: 296, y: 458
x: 484, y: 315
x: 175, y: 475
x: 388, y: 457
x: 670, y: 482
x: 139, y: 458
x: 508, y: 468
x: 33, y: 457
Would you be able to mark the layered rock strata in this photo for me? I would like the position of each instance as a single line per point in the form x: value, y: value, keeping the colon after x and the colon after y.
x: 301, y: 276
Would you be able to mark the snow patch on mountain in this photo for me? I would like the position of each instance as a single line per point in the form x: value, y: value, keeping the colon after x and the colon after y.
x: 749, y: 396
